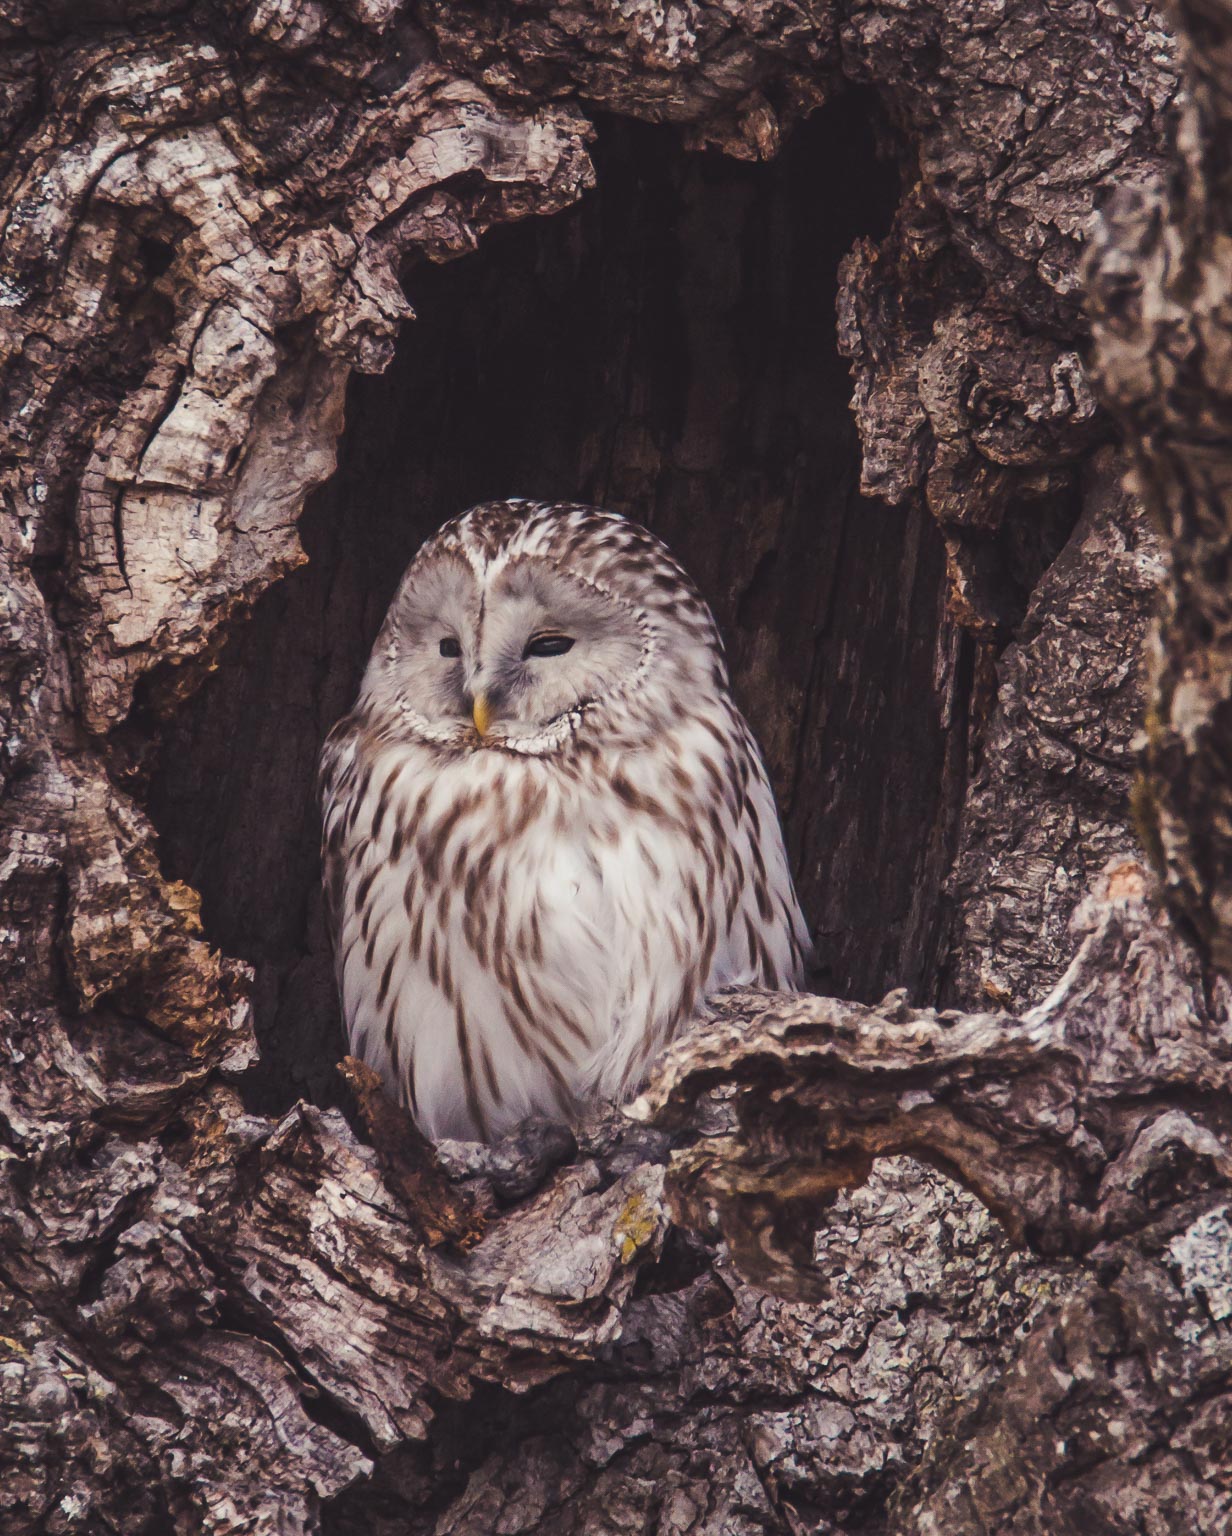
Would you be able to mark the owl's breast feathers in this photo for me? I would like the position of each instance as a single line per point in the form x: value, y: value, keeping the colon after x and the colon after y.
x: 513, y: 934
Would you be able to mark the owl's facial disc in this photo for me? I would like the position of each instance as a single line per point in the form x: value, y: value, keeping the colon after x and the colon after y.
x: 509, y: 658
x: 548, y: 644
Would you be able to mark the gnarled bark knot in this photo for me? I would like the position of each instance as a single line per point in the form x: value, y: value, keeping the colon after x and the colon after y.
x: 1072, y: 1122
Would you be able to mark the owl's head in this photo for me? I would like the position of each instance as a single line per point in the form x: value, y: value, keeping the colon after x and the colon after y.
x: 521, y: 625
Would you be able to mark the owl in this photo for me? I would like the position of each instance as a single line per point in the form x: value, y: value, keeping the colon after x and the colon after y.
x: 548, y: 832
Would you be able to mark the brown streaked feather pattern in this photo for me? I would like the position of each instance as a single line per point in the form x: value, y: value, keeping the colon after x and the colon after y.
x: 521, y: 921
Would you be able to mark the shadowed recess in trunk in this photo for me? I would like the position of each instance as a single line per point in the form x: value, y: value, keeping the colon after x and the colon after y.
x: 668, y: 349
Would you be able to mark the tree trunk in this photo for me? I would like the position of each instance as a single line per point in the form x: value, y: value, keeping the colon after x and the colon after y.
x: 944, y: 1250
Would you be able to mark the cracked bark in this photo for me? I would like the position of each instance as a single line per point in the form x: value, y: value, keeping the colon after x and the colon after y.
x: 897, y: 1266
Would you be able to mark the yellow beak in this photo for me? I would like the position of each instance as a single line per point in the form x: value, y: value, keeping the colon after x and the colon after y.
x: 482, y: 714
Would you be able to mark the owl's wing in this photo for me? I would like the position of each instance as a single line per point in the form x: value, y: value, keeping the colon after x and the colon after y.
x: 338, y: 791
x: 700, y: 888
x: 768, y: 930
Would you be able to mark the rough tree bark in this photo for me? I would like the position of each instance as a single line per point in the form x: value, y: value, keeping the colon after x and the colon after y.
x: 955, y: 1261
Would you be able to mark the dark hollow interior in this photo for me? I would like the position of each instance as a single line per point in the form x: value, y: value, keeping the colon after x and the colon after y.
x: 666, y: 348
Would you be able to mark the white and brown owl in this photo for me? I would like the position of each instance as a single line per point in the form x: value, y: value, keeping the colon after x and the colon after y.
x: 548, y: 833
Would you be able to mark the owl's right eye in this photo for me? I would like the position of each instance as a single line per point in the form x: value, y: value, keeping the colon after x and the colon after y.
x: 450, y: 647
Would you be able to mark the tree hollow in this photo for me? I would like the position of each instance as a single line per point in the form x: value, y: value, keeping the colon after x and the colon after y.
x: 667, y: 348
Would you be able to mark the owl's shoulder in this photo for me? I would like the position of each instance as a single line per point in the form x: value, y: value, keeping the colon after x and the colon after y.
x: 355, y: 748
x: 338, y: 755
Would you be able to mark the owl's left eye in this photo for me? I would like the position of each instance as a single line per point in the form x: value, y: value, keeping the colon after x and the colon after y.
x: 547, y: 645
x: 450, y: 646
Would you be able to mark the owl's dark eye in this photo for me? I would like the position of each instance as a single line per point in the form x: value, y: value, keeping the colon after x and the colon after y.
x: 547, y: 645
x: 450, y: 647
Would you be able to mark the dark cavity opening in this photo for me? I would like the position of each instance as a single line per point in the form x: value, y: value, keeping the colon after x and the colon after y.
x: 668, y: 349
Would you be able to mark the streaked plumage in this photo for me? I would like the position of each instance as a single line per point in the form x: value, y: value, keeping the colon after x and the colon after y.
x: 523, y: 918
